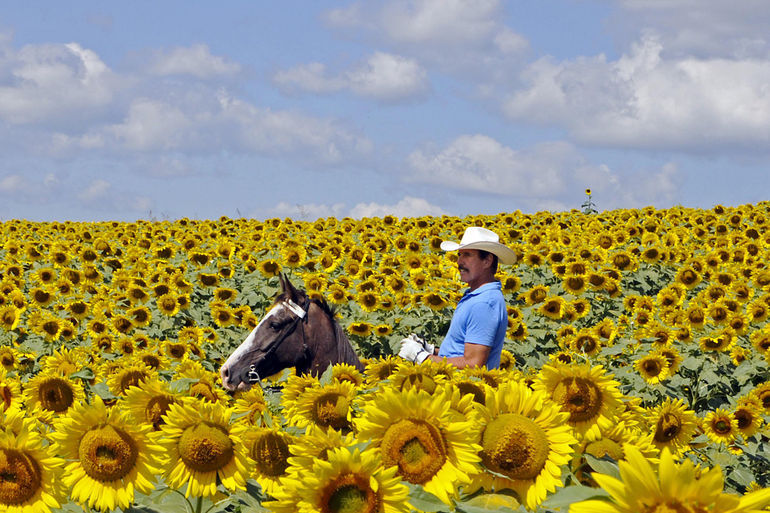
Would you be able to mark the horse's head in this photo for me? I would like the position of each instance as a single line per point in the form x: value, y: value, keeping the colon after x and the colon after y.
x: 278, y: 341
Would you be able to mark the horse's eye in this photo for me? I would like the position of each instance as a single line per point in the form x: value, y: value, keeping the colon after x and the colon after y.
x: 275, y: 325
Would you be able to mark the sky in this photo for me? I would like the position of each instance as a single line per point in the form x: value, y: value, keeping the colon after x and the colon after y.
x: 164, y: 110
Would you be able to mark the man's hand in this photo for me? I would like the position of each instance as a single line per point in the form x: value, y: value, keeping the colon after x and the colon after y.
x: 425, y: 345
x: 413, y: 350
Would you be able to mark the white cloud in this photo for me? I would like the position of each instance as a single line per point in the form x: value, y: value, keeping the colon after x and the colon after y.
x: 642, y: 100
x: 307, y: 211
x: 42, y: 83
x: 195, y: 60
x: 713, y: 28
x: 409, y: 206
x: 12, y: 183
x: 480, y: 163
x: 101, y: 195
x: 95, y: 191
x: 150, y: 125
x: 385, y: 77
x: 454, y: 34
x: 309, y: 77
x: 548, y: 176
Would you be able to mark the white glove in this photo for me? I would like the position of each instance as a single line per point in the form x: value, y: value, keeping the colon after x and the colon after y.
x: 413, y: 351
x: 425, y: 345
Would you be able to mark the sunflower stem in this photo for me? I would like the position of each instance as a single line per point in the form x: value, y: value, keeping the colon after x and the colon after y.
x: 199, y: 504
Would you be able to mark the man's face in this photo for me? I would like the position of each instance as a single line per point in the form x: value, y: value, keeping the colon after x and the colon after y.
x: 472, y: 267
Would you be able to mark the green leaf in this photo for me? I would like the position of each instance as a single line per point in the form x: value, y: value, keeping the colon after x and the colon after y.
x: 603, y: 466
x: 103, y: 391
x: 564, y: 497
x: 326, y: 377
x: 487, y: 502
x: 85, y: 373
x: 425, y: 501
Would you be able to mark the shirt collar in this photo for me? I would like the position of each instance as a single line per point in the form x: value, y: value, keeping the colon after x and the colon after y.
x: 492, y: 285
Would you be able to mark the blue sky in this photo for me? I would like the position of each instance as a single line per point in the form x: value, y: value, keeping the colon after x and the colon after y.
x: 162, y: 110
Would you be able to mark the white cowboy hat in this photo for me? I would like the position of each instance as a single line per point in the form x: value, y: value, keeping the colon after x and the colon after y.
x: 476, y: 237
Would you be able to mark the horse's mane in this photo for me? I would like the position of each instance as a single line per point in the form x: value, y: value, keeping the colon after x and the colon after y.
x: 345, y: 351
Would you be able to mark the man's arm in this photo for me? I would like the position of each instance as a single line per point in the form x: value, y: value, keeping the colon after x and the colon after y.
x: 474, y: 355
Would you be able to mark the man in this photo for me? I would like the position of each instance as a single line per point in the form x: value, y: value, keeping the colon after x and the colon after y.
x: 478, y: 326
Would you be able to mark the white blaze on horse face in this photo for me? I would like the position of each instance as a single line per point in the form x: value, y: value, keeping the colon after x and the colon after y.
x: 248, y: 342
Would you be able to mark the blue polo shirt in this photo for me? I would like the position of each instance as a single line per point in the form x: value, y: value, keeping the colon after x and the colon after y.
x: 480, y: 318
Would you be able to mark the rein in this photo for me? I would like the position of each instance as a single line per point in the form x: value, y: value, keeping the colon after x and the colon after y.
x: 252, y: 376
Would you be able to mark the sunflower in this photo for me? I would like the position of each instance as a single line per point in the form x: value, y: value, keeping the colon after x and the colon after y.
x: 203, y: 447
x: 250, y: 406
x: 48, y: 395
x: 109, y: 457
x: 203, y: 383
x: 380, y: 369
x: 10, y: 393
x: 316, y: 444
x: 535, y: 295
x: 127, y: 375
x: 10, y: 316
x: 682, y: 487
x: 553, y: 307
x: 653, y: 368
x: 346, y: 372
x: 64, y: 361
x: 424, y: 377
x: 346, y: 481
x: 588, y: 394
x: 720, y: 426
x: 584, y: 341
x: 30, y: 473
x: 360, y: 328
x: 416, y: 432
x: 268, y: 447
x: 325, y: 406
x: 748, y: 414
x: 525, y: 440
x: 507, y: 360
x: 673, y: 425
x: 148, y: 402
x: 295, y: 387
x: 167, y: 304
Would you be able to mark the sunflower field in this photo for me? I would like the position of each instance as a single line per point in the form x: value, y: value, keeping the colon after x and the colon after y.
x: 634, y: 376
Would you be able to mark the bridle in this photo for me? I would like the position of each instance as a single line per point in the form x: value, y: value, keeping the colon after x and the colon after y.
x: 251, y: 376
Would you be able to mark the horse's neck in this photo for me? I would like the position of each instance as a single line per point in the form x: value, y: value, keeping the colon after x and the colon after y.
x: 333, y: 346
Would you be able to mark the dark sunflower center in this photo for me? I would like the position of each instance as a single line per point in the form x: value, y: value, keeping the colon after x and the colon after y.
x: 131, y: 379
x: 467, y: 387
x: 420, y: 382
x: 6, y: 396
x: 722, y: 427
x: 205, y: 447
x: 349, y: 493
x: 270, y: 453
x: 107, y: 453
x: 744, y: 418
x: 20, y: 477
x: 514, y: 445
x: 580, y: 397
x: 156, y: 408
x: 204, y: 391
x: 417, y: 447
x: 605, y: 447
x: 56, y: 395
x: 331, y: 410
x: 668, y: 427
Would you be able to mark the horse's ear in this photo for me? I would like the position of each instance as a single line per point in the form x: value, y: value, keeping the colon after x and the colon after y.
x: 282, y: 281
x: 288, y: 288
